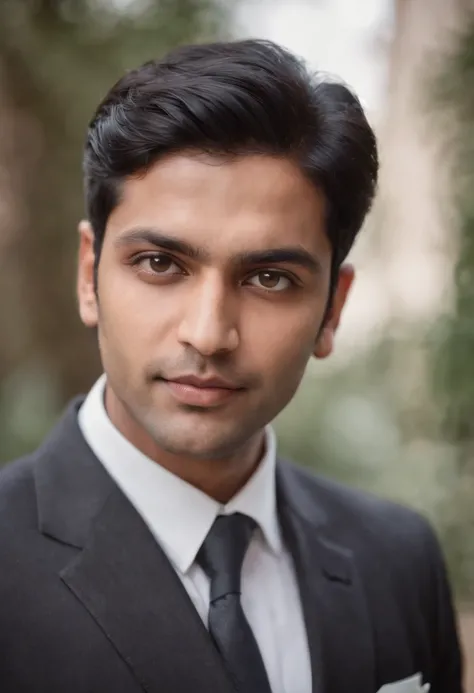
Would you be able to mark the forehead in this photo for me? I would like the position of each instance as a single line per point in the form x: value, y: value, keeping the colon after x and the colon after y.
x: 225, y: 204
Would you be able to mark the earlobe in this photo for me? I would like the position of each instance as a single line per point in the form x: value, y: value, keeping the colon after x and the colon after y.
x: 325, y: 343
x: 86, y: 293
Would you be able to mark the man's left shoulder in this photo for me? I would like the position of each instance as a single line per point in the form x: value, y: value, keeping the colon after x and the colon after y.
x: 398, y: 562
x: 360, y: 515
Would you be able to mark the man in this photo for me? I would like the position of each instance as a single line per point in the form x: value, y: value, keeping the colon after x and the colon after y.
x: 155, y: 542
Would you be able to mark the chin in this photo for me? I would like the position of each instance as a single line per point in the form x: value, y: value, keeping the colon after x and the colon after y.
x: 191, y: 444
x: 197, y: 435
x: 184, y: 447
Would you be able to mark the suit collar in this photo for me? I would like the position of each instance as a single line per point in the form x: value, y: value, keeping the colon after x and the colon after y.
x: 71, y: 485
x: 297, y: 503
x: 334, y: 603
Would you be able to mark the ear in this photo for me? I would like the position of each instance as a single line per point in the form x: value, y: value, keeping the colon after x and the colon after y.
x: 325, y: 343
x: 86, y: 294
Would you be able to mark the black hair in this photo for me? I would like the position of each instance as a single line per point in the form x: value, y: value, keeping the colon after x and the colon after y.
x: 234, y: 98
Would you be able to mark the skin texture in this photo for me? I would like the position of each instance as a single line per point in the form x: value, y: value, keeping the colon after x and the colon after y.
x: 224, y: 312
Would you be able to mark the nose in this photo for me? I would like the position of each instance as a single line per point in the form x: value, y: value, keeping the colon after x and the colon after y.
x: 208, y: 323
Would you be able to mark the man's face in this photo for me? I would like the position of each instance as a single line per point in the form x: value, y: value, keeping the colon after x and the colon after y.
x: 212, y: 287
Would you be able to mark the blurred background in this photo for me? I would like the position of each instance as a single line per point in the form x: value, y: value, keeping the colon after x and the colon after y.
x: 393, y: 410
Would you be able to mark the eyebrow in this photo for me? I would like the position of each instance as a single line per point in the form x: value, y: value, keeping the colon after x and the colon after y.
x: 162, y: 241
x: 295, y: 255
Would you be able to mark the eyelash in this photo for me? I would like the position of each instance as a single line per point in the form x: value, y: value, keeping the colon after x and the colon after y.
x: 148, y: 256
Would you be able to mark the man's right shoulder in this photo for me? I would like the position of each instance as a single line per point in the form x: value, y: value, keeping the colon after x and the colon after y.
x: 17, y: 493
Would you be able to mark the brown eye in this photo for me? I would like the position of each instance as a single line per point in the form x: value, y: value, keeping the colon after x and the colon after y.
x: 159, y: 264
x: 271, y: 280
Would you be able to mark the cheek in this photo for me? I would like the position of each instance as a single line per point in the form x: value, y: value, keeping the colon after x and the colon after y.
x: 122, y: 332
x: 133, y: 312
x: 284, y: 340
x: 289, y: 356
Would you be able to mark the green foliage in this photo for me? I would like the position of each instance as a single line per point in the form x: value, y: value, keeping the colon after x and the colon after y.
x: 454, y: 364
x: 453, y: 355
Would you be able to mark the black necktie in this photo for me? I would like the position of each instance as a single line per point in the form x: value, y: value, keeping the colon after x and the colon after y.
x: 221, y: 556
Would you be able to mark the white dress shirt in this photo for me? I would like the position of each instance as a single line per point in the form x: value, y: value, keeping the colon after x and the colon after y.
x: 180, y: 516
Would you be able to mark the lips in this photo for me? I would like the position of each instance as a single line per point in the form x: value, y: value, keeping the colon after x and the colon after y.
x: 214, y: 382
x: 202, y: 392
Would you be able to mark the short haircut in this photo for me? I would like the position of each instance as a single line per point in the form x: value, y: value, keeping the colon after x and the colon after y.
x: 234, y: 98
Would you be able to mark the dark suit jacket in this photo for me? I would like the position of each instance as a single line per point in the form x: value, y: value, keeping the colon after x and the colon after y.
x: 90, y: 604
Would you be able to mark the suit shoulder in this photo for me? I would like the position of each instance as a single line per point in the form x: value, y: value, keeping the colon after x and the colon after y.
x: 361, y: 511
x: 17, y: 491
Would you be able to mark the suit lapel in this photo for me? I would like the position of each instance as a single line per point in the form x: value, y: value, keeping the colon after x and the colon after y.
x: 128, y: 585
x: 334, y: 604
x: 120, y: 574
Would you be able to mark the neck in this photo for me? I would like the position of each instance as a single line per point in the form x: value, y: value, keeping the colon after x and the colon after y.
x: 219, y: 478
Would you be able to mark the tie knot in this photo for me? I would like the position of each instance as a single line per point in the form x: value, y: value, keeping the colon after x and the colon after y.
x: 222, y: 554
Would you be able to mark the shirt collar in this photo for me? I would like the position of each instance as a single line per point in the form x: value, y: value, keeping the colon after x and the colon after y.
x: 178, y: 514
